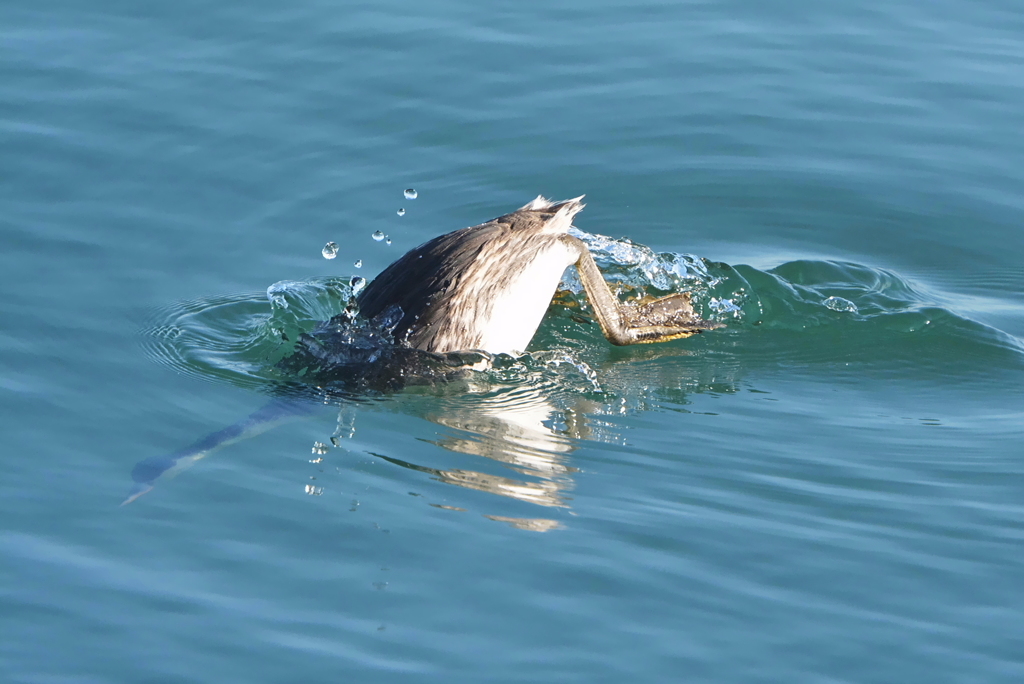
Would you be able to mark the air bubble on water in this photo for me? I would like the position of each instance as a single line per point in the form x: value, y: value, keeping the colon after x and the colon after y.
x: 314, y: 491
x: 357, y: 284
x: 358, y: 263
x: 387, y: 241
x: 346, y: 428
x: 411, y: 193
x: 377, y: 235
x: 319, y: 448
x: 330, y: 250
x: 401, y: 212
x: 840, y: 304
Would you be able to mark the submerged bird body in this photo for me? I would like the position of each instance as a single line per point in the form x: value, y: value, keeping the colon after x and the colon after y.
x: 487, y: 287
x: 428, y: 316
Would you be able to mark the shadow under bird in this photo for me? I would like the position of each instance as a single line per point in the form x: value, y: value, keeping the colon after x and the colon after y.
x: 484, y: 289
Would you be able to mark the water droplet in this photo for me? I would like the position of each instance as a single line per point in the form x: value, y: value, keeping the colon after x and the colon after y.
x: 319, y: 448
x: 330, y: 250
x: 387, y: 241
x: 410, y: 193
x: 377, y: 235
x: 840, y: 304
x: 357, y: 284
x: 401, y: 212
x: 358, y: 263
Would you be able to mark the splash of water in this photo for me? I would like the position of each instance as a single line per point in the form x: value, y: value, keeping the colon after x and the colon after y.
x: 244, y: 339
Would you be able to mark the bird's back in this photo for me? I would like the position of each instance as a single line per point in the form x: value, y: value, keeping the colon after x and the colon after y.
x: 484, y: 287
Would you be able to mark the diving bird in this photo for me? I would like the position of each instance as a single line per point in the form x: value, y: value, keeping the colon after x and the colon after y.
x: 445, y: 307
x: 487, y: 287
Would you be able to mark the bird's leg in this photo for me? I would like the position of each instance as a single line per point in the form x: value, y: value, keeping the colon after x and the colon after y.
x: 661, y: 320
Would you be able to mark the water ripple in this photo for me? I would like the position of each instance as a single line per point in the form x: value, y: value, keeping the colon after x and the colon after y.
x: 800, y: 311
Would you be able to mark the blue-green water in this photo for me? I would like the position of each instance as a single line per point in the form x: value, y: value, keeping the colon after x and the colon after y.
x: 812, y: 494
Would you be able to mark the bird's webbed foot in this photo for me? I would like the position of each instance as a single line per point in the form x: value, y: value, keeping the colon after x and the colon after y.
x: 642, y: 322
x: 660, y: 320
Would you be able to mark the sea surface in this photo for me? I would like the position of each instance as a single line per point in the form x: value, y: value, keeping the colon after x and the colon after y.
x: 828, y: 489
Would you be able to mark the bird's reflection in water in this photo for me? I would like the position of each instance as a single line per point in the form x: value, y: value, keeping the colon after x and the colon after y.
x: 532, y: 430
x: 527, y: 426
x: 521, y: 428
x: 515, y: 427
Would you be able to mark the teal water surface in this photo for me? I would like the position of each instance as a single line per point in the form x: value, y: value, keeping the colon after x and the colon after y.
x: 827, y: 489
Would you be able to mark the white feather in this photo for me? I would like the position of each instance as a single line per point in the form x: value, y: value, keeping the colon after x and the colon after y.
x: 518, y: 309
